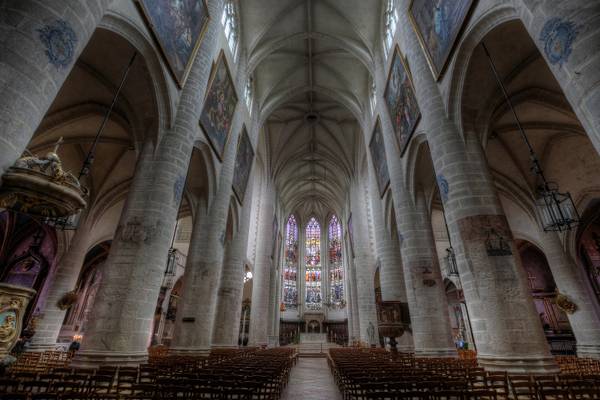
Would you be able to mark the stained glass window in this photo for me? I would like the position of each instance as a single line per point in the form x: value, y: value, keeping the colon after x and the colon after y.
x: 336, y: 268
x: 313, y: 265
x: 230, y: 26
x: 290, y: 268
x: 391, y: 20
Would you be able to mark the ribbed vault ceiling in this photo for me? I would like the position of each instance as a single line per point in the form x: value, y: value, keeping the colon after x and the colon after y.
x: 311, y: 62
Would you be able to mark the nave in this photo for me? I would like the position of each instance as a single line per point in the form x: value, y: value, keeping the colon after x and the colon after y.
x: 224, y: 194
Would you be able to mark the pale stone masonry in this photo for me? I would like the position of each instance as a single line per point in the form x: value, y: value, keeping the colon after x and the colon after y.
x: 261, y: 281
x: 495, y: 288
x: 121, y: 321
x: 64, y: 280
x: 32, y: 69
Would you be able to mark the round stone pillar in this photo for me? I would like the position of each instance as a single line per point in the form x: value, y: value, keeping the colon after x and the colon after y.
x: 507, y: 329
x: 120, y: 324
x: 229, y: 297
x: 194, y: 325
x: 62, y: 281
x: 391, y: 273
x: 261, y: 281
x: 569, y: 280
x: 364, y: 270
x: 40, y: 43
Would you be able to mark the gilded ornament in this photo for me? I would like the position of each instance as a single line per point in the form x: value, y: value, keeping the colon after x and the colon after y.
x: 565, y: 304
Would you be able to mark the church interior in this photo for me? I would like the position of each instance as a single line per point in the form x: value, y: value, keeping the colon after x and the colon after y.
x: 299, y: 199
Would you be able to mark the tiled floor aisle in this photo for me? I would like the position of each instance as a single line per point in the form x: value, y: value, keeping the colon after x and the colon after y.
x: 311, y: 379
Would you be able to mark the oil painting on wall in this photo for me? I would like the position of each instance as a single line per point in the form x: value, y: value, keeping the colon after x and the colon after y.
x: 178, y: 26
x: 438, y: 23
x: 243, y: 165
x: 377, y: 148
x: 219, y: 106
x: 401, y: 101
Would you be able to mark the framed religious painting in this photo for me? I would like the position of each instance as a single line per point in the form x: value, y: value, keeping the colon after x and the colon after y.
x: 219, y: 106
x: 377, y: 149
x: 178, y: 27
x: 438, y: 24
x: 243, y: 165
x: 401, y: 101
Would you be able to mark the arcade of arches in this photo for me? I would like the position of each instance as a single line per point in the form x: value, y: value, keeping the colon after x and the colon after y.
x: 289, y: 173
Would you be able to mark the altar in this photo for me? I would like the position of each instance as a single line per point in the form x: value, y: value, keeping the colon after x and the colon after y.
x: 313, y: 338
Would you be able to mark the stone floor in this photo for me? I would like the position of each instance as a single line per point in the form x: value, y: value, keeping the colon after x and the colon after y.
x: 311, y: 379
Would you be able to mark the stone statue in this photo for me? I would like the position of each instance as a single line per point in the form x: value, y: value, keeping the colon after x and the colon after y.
x: 371, y: 333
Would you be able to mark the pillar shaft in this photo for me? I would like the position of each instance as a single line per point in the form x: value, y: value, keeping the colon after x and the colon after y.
x: 569, y: 280
x: 566, y: 33
x: 229, y: 297
x: 364, y: 271
x: 261, y: 281
x: 121, y: 321
x: 63, y: 280
x: 507, y: 329
x: 33, y: 68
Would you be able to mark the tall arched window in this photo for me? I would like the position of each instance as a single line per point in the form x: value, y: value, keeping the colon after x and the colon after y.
x: 336, y: 268
x: 290, y: 268
x: 313, y: 265
x: 391, y: 21
x: 230, y: 26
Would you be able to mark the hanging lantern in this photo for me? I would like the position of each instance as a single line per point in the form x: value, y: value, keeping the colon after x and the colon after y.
x: 557, y: 210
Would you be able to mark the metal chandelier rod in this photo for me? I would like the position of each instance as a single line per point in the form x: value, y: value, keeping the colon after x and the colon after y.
x: 536, y: 164
x: 89, y: 159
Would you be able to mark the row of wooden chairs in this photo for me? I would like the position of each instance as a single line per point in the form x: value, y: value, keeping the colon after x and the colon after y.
x: 362, y: 374
x: 41, y: 361
x: 256, y: 375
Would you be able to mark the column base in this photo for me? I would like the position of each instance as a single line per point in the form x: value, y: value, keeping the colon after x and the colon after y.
x: 436, y: 353
x: 224, y: 346
x: 588, y: 351
x: 94, y: 359
x: 41, y: 347
x: 519, y: 365
x: 190, y: 351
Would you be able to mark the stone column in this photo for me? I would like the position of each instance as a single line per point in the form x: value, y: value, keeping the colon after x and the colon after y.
x: 120, y: 324
x: 39, y: 45
x: 229, y: 297
x: 348, y: 290
x: 506, y: 326
x: 261, y: 281
x: 391, y: 274
x: 353, y: 303
x: 183, y: 332
x: 569, y: 280
x: 567, y: 34
x: 62, y: 281
x: 364, y: 271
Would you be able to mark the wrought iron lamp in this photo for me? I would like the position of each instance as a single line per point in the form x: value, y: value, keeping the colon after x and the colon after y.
x: 557, y: 210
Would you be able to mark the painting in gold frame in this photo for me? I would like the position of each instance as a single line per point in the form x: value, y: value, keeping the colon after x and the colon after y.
x: 401, y: 101
x: 438, y: 24
x: 219, y: 106
x: 178, y: 28
x: 377, y: 149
